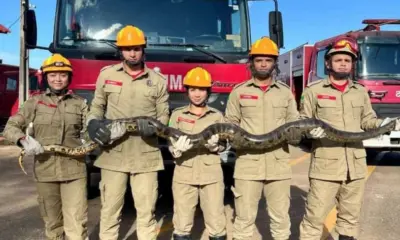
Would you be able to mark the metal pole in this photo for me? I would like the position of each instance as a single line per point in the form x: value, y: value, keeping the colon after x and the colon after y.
x: 27, y: 81
x: 22, y: 96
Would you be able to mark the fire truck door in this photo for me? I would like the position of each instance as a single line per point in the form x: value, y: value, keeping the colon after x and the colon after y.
x: 2, y: 94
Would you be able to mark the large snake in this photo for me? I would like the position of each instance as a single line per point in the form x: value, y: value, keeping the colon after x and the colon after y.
x: 238, y: 138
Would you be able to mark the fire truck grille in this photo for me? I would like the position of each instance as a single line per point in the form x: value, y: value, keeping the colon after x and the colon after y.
x: 384, y: 110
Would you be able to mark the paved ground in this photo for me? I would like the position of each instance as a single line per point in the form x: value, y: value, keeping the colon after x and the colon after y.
x: 20, y: 219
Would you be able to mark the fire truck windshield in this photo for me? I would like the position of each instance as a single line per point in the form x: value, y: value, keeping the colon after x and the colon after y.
x: 218, y: 25
x: 380, y: 58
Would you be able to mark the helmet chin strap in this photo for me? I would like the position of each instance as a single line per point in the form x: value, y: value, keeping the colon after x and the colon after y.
x: 59, y: 92
x: 203, y: 104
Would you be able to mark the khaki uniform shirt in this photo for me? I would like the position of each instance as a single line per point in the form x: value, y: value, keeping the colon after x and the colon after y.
x: 260, y: 112
x: 348, y: 111
x: 197, y: 165
x: 119, y: 95
x: 55, y: 121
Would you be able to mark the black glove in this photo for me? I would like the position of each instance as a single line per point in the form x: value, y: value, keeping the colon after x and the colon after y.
x: 145, y: 129
x: 98, y: 131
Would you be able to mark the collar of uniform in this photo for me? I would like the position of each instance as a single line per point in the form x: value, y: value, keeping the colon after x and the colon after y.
x: 252, y: 82
x: 186, y: 110
x: 68, y: 94
x: 120, y: 67
x: 327, y: 82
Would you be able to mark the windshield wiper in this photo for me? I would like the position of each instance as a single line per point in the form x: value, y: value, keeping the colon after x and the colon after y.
x: 110, y: 43
x: 194, y: 46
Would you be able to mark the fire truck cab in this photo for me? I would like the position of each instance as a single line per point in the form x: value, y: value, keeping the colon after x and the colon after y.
x: 378, y: 69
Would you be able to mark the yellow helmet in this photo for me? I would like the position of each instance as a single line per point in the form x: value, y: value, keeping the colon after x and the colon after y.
x: 198, y: 77
x: 56, y: 63
x: 130, y: 36
x: 264, y: 46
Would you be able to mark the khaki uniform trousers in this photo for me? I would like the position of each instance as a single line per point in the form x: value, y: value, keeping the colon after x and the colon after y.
x: 144, y: 190
x: 247, y: 196
x: 64, y: 209
x: 186, y: 198
x: 322, y: 197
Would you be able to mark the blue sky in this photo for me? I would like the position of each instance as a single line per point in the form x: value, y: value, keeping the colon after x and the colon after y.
x: 303, y: 21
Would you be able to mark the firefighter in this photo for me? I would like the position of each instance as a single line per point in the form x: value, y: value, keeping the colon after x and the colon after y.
x: 338, y: 171
x: 260, y: 105
x: 198, y: 172
x: 124, y: 90
x: 58, y: 117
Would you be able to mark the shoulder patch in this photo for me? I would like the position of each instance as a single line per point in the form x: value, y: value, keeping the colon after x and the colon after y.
x: 179, y: 108
x: 240, y: 84
x: 76, y: 96
x: 214, y: 110
x: 358, y: 83
x: 35, y: 93
x: 106, y: 67
x: 314, y: 83
x: 283, y: 84
x: 159, y: 74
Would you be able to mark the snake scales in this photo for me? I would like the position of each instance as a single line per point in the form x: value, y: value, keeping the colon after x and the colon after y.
x: 238, y: 138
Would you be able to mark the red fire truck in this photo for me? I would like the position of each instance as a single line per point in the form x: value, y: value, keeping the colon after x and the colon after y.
x: 378, y: 70
x: 181, y: 34
x: 9, y: 80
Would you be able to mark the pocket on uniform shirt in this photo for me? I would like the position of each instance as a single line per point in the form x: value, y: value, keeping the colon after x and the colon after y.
x: 211, y: 160
x: 249, y: 107
x: 151, y: 92
x: 326, y: 160
x: 281, y: 154
x: 73, y: 115
x: 113, y: 92
x: 44, y: 115
x: 360, y: 161
x: 328, y: 109
x: 357, y: 108
x: 280, y: 108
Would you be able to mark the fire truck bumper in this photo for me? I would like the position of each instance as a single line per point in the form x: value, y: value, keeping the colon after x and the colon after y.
x: 386, y: 141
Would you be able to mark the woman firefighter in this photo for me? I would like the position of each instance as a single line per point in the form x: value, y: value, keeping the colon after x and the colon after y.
x: 198, y: 172
x: 58, y: 117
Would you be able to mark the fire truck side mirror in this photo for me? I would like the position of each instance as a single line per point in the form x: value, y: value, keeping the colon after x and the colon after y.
x: 30, y: 29
x: 276, y: 28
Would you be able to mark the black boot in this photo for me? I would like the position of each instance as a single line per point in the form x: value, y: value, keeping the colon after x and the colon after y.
x: 344, y: 237
x: 218, y: 238
x: 181, y: 237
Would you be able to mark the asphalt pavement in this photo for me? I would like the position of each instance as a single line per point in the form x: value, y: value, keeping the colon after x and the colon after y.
x: 20, y: 218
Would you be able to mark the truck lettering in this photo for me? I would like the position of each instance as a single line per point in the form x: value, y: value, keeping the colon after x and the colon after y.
x: 397, y: 93
x: 174, y: 82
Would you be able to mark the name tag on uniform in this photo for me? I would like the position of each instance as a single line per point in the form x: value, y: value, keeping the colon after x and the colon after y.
x: 113, y: 82
x: 321, y: 96
x: 47, y: 104
x: 247, y: 96
x: 181, y: 119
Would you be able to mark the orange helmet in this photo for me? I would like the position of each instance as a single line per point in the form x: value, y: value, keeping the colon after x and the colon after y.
x: 344, y: 45
x: 56, y: 63
x: 198, y: 77
x: 130, y: 36
x: 264, y: 46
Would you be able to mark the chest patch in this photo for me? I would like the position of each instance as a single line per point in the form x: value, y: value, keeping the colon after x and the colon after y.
x: 47, y: 104
x: 113, y: 82
x: 329, y: 97
x: 248, y: 96
x: 182, y: 119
